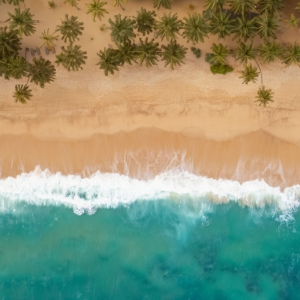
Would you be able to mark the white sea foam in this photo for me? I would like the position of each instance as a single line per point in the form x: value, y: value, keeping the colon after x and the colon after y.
x: 85, y: 195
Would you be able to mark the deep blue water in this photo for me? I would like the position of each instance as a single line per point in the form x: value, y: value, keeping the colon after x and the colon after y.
x: 170, y: 247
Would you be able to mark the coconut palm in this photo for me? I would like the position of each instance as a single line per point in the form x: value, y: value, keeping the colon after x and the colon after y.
x: 127, y: 52
x: 96, y: 9
x: 264, y: 96
x: 244, y: 29
x: 148, y: 52
x: 72, y: 3
x: 4, y: 67
x: 168, y: 27
x: 291, y: 54
x: 48, y: 39
x: 10, y: 42
x: 214, y: 5
x: 51, y: 4
x: 109, y: 60
x: 219, y: 54
x: 267, y: 25
x: 163, y: 3
x: 71, y: 57
x: 292, y: 21
x: 22, y: 93
x: 70, y: 29
x: 249, y: 73
x: 13, y: 66
x: 118, y: 3
x: 22, y: 21
x: 221, y: 24
x: 244, y: 52
x: 145, y: 21
x: 122, y: 29
x: 270, y: 6
x: 195, y: 28
x: 241, y: 6
x: 41, y: 71
x: 270, y: 51
x: 173, y: 54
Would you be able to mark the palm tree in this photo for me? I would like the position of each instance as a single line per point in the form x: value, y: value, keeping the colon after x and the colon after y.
x: 10, y: 42
x: 109, y: 60
x: 264, y: 96
x: 145, y: 21
x: 173, y: 54
x: 214, y: 5
x: 168, y: 27
x: 70, y: 29
x: 267, y: 25
x: 148, y: 52
x: 163, y: 3
x: 241, y: 6
x: 22, y: 21
x: 118, y: 3
x: 221, y: 24
x: 48, y: 39
x: 291, y: 54
x: 270, y: 51
x: 270, y: 6
x: 51, y: 4
x: 22, y: 93
x: 71, y: 57
x: 244, y: 52
x: 41, y: 71
x: 249, y: 73
x: 122, y: 29
x: 195, y: 28
x: 245, y: 29
x: 292, y: 21
x: 95, y: 8
x: 72, y: 3
x: 18, y: 67
x: 127, y: 52
x: 219, y: 54
x: 14, y: 2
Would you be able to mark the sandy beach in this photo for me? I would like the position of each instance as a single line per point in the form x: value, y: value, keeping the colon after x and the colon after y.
x: 143, y: 121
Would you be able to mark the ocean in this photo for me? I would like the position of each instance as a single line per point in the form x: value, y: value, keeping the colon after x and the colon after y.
x: 174, y: 236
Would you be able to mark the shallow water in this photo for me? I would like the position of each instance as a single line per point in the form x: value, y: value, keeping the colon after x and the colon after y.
x: 156, y: 242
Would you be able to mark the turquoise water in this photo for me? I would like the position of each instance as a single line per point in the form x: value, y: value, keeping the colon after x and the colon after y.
x: 104, y: 238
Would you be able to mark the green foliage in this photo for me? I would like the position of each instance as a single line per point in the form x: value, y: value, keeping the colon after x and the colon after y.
x: 10, y: 42
x: 122, y: 29
x: 267, y: 25
x: 118, y: 2
x: 196, y: 51
x: 71, y: 57
x: 249, y: 73
x: 214, y: 5
x: 291, y: 54
x: 145, y: 21
x: 163, y: 3
x: 245, y: 29
x: 51, y: 4
x: 244, y: 52
x: 168, y: 27
x: 241, y: 6
x: 72, y: 2
x: 127, y: 52
x: 220, y: 69
x: 41, y: 71
x: 14, y: 2
x: 270, y: 6
x: 22, y: 21
x: 173, y: 54
x: 13, y: 66
x: 208, y: 57
x: 195, y: 28
x: 221, y: 24
x: 220, y: 54
x: 264, y: 96
x: 109, y: 60
x: 48, y: 39
x: 96, y: 9
x: 70, y: 29
x: 192, y: 6
x: 148, y: 52
x: 22, y: 93
x: 292, y: 21
x: 270, y: 51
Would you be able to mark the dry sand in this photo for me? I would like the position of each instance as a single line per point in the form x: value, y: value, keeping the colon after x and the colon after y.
x: 143, y: 121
